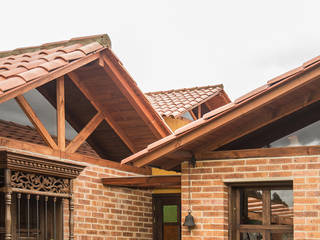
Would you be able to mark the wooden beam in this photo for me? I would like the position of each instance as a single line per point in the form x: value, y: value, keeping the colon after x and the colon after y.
x: 61, y: 119
x: 233, y: 114
x: 199, y: 111
x: 106, y: 115
x: 85, y: 133
x: 35, y: 121
x: 261, y: 152
x: 153, y: 181
x: 47, y: 78
x: 264, y: 118
x: 192, y: 114
x: 152, y: 120
x: 44, y: 151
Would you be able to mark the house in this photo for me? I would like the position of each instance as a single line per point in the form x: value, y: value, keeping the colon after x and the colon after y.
x: 254, y: 171
x: 52, y: 186
x: 140, y: 163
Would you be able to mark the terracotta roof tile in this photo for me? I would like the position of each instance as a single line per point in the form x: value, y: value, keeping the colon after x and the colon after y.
x: 22, y: 65
x: 29, y: 134
x: 10, y: 83
x: 176, y: 102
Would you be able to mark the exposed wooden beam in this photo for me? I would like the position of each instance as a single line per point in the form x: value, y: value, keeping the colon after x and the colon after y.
x: 106, y: 115
x: 265, y: 118
x: 152, y: 120
x: 261, y: 152
x: 35, y: 121
x: 85, y: 133
x: 199, y: 111
x: 44, y: 151
x: 61, y: 119
x: 235, y: 113
x: 192, y: 114
x: 153, y: 181
x: 47, y: 78
x: 101, y: 61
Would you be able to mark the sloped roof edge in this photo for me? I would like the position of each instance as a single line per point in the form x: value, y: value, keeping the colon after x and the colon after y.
x: 103, y: 39
x: 176, y: 140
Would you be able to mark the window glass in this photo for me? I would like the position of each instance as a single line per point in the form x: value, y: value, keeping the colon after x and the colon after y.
x: 282, y: 207
x: 187, y: 115
x: 170, y: 213
x: 262, y: 211
x: 251, y: 236
x: 251, y: 206
x: 307, y: 136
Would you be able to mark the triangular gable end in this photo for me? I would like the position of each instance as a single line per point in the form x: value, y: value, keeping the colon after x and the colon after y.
x: 88, y: 85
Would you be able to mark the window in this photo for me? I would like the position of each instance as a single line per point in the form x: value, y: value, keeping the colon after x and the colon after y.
x: 261, y: 211
x: 307, y: 136
x: 32, y: 193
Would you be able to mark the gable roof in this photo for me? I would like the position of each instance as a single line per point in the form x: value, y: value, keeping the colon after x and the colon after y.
x: 279, y: 98
x: 95, y: 81
x: 175, y: 102
x: 20, y: 67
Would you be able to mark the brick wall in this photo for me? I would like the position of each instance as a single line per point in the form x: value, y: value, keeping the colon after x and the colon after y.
x: 210, y: 194
x: 105, y: 213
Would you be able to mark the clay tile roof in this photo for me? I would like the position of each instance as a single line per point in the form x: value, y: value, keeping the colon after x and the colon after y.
x: 178, y: 101
x: 28, y: 134
x: 22, y: 65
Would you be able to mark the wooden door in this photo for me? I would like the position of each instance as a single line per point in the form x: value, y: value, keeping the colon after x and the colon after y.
x: 166, y: 217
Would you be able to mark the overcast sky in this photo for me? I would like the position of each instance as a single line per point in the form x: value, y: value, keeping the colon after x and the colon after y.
x: 170, y: 44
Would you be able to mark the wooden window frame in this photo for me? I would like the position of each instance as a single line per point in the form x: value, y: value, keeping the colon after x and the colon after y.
x: 235, y: 228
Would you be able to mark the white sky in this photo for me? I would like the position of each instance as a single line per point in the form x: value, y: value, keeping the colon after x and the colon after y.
x: 173, y: 44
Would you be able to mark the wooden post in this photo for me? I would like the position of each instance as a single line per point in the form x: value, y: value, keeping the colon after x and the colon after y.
x: 71, y: 211
x: 61, y: 114
x: 8, y: 192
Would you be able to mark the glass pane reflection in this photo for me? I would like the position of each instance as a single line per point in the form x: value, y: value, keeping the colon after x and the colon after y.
x: 251, y: 236
x: 282, y: 207
x: 251, y: 206
x: 281, y: 236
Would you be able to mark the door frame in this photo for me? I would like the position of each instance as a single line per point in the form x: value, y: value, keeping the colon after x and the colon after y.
x: 158, y: 200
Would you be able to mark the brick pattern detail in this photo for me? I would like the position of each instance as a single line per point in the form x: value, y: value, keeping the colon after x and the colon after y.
x: 105, y: 213
x: 210, y: 194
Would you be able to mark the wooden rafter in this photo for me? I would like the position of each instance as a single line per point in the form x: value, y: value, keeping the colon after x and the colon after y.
x: 48, y: 77
x: 36, y: 149
x: 153, y: 181
x: 199, y: 111
x: 107, y: 116
x: 309, y: 78
x: 134, y: 99
x: 35, y: 121
x: 192, y: 114
x: 85, y: 133
x: 265, y: 118
x: 61, y: 120
x: 261, y: 152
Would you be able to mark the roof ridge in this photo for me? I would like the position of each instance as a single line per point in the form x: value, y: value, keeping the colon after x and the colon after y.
x: 185, y: 89
x: 103, y: 39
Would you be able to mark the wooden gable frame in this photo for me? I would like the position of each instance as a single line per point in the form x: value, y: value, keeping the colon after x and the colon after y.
x: 111, y: 66
x: 283, y: 96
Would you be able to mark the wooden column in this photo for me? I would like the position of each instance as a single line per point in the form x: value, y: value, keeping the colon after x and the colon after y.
x: 61, y: 114
x: 71, y: 212
x: 8, y: 192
